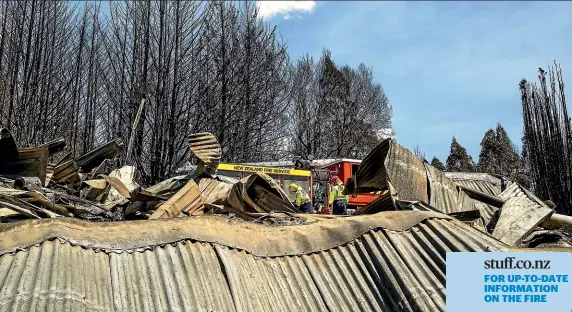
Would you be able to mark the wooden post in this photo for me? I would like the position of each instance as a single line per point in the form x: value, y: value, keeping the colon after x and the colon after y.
x: 133, y: 132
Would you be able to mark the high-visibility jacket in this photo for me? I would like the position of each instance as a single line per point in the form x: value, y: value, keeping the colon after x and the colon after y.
x: 301, y: 197
x: 336, y: 194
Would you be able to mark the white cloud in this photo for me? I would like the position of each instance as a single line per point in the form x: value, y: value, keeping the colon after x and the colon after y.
x: 267, y: 9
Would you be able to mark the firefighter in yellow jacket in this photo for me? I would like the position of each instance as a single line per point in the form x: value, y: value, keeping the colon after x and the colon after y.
x: 338, y: 200
x: 303, y: 201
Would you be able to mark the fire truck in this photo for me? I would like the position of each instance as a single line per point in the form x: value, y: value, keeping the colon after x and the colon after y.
x: 317, y: 180
x: 345, y: 169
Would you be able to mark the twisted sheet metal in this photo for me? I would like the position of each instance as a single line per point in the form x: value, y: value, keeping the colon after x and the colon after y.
x: 483, y: 183
x: 392, y: 166
x: 371, y: 172
x: 381, y: 270
x: 521, y: 213
x: 188, y: 200
x: 206, y: 147
x: 95, y: 157
x: 65, y: 171
x: 259, y: 192
x: 516, y: 191
x: 31, y: 162
x: 382, y: 203
x: 444, y: 193
x: 482, y: 186
x: 389, y: 162
x: 214, y: 191
x: 407, y: 174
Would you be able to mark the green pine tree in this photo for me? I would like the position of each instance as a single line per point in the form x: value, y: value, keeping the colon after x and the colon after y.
x: 488, y: 161
x: 498, y: 155
x: 435, y: 162
x: 459, y: 160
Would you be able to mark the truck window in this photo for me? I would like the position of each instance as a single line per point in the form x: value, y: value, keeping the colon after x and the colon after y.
x: 354, y: 169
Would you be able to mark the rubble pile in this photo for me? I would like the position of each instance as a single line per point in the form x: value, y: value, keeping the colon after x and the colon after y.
x: 492, y: 204
x: 240, y: 245
x: 96, y: 187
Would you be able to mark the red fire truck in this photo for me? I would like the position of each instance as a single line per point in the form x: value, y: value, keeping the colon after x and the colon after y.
x: 345, y: 169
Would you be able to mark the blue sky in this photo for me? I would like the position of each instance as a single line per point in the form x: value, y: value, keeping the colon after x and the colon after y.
x: 448, y: 68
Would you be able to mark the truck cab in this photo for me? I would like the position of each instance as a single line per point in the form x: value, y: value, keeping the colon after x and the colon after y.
x: 345, y: 169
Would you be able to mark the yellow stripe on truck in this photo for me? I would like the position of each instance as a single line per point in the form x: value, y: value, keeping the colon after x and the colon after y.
x: 267, y: 170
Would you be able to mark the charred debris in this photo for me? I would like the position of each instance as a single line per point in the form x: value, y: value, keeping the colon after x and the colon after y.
x: 96, y: 187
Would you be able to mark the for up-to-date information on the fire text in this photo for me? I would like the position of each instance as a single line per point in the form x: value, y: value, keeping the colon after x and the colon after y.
x: 507, y: 281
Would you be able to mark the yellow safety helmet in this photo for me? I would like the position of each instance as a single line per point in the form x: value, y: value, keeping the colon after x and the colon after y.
x: 293, y: 187
x: 339, y: 182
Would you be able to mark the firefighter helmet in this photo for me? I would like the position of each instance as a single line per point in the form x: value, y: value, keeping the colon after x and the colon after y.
x: 293, y: 187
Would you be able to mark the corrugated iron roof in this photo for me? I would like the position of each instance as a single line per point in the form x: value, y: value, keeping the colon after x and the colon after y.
x: 482, y: 182
x: 391, y: 166
x: 521, y: 213
x: 392, y: 261
x: 55, y: 276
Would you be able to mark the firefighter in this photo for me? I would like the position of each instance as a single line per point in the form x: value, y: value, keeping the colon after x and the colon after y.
x: 338, y: 201
x: 303, y: 201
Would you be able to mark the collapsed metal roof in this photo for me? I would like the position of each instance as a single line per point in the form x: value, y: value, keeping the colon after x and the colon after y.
x: 391, y: 261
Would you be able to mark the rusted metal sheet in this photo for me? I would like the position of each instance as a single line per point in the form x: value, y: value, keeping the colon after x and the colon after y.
x: 444, y: 193
x: 258, y: 239
x: 259, y: 193
x: 187, y: 200
x: 207, y: 149
x: 390, y: 166
x: 94, y: 189
x: 482, y: 186
x: 481, y: 182
x: 31, y: 162
x: 121, y: 181
x: 448, y: 198
x: 492, y: 179
x: 407, y: 174
x: 372, y: 172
